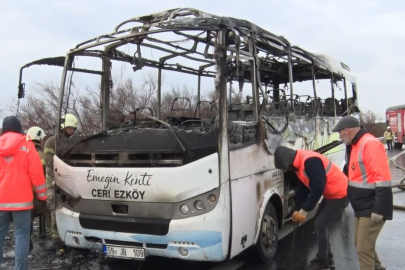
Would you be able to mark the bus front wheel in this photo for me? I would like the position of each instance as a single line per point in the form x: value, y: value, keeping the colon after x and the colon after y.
x: 267, y: 241
x: 398, y: 145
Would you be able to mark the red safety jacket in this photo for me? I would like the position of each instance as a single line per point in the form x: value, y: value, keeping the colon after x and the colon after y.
x: 20, y: 170
x: 336, y: 181
x: 369, y: 177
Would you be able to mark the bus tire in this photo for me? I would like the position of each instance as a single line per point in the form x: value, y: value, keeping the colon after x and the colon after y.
x: 398, y: 145
x: 267, y: 240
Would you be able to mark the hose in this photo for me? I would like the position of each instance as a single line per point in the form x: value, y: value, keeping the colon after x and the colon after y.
x: 401, y: 184
x: 398, y: 207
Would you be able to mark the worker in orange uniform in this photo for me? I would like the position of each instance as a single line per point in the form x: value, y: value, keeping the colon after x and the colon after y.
x: 369, y: 189
x: 316, y: 176
x: 20, y: 170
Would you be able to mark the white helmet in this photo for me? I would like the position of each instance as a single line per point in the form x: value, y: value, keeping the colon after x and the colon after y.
x: 69, y: 120
x: 35, y: 134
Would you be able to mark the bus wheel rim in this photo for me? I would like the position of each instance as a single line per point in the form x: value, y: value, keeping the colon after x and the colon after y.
x: 269, y: 232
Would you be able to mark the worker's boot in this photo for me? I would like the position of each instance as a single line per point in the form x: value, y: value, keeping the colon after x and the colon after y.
x: 317, y: 264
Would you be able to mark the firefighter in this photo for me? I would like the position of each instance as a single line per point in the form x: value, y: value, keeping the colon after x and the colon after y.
x: 316, y: 176
x: 36, y: 135
x: 369, y: 188
x: 20, y: 170
x: 389, y: 136
x: 69, y: 125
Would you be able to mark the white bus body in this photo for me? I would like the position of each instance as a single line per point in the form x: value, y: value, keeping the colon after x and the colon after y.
x: 188, y: 186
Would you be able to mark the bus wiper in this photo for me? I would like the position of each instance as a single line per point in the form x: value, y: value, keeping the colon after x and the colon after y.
x: 329, y: 146
x: 183, y: 148
x: 102, y: 133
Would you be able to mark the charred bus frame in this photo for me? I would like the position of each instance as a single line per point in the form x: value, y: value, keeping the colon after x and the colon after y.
x: 243, y: 53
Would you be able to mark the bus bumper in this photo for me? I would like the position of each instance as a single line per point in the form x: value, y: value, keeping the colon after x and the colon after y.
x: 205, y: 237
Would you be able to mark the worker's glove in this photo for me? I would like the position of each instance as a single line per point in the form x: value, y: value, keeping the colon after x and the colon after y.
x: 376, y: 217
x: 299, y: 216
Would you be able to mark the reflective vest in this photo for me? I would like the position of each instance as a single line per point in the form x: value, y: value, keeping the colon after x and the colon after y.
x: 366, y: 169
x: 336, y: 181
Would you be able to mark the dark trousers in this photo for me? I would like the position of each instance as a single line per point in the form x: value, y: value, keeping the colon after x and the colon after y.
x: 389, y: 144
x: 328, y: 212
x: 22, y: 221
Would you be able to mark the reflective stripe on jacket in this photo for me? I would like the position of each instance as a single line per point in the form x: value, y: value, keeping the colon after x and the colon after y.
x: 369, y: 178
x: 20, y: 170
x: 336, y: 181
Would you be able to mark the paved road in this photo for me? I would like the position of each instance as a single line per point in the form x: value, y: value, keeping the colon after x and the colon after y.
x: 389, y: 246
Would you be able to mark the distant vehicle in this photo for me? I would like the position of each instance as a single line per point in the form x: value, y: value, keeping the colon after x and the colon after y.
x: 187, y: 183
x: 395, y: 119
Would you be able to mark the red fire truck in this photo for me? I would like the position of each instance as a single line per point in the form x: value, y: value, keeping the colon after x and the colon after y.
x: 395, y: 119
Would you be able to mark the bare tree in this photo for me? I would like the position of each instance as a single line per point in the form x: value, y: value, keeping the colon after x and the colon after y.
x: 1, y: 112
x: 369, y: 119
x: 373, y: 123
x: 90, y: 113
x: 40, y: 108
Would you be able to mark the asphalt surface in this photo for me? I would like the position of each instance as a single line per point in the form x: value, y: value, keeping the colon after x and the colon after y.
x: 390, y: 246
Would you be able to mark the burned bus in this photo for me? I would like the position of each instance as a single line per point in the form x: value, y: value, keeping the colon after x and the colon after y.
x: 191, y: 177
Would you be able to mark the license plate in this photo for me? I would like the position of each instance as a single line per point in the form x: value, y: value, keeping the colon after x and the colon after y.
x: 124, y: 252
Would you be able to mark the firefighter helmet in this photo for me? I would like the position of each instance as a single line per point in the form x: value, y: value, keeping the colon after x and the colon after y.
x: 35, y: 134
x: 69, y: 120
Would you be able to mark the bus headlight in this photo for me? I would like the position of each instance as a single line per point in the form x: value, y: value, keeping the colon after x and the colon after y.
x: 195, y: 206
x: 212, y: 198
x: 199, y: 205
x: 184, y: 209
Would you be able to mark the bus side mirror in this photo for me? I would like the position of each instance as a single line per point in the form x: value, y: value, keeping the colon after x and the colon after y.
x: 21, y: 90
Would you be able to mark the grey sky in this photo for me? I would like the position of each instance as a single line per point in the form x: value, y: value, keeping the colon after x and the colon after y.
x: 368, y: 35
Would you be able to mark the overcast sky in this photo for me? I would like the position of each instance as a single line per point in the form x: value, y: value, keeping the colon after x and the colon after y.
x: 367, y: 35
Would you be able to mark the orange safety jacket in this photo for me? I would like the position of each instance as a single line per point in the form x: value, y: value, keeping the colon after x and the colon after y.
x: 336, y: 181
x: 20, y: 170
x: 369, y: 177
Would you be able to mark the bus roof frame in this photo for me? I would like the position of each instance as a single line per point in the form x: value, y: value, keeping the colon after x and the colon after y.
x: 179, y: 19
